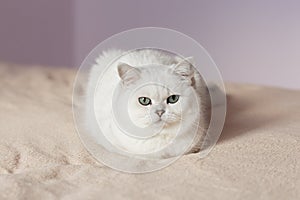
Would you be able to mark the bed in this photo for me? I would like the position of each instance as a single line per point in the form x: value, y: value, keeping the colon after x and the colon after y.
x: 42, y: 157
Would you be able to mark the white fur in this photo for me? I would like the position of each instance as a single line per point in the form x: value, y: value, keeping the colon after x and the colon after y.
x: 180, y: 120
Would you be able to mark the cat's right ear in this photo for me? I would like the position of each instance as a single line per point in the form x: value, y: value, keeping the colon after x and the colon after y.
x: 128, y: 74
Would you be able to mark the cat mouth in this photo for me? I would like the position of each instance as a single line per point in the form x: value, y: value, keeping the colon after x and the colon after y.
x: 160, y: 122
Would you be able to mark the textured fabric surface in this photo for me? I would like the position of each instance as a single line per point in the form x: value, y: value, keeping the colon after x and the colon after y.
x: 41, y: 156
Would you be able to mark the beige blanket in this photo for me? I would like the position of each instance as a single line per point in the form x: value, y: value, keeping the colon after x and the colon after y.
x: 41, y: 156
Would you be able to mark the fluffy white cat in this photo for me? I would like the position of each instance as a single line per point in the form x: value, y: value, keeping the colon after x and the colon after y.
x: 158, y: 93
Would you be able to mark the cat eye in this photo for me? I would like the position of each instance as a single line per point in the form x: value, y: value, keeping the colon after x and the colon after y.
x: 145, y: 101
x: 172, y: 99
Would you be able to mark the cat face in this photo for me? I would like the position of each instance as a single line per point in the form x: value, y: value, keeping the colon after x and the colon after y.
x: 159, y: 94
x: 155, y: 103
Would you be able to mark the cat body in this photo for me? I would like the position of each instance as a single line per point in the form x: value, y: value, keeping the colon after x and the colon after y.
x: 160, y: 93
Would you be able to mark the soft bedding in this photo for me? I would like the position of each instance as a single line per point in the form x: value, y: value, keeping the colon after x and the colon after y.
x: 42, y: 157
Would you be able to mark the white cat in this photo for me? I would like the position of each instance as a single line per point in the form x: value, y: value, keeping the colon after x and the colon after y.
x: 158, y: 92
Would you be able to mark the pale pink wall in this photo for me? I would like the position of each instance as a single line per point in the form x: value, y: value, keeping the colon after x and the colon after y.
x: 254, y: 41
x: 36, y: 31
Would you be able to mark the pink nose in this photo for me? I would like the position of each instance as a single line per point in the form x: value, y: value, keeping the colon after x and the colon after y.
x: 160, y: 112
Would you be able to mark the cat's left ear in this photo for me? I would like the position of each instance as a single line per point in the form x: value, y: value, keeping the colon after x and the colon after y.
x: 185, y: 68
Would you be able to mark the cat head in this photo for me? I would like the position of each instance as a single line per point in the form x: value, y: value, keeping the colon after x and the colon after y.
x: 159, y: 94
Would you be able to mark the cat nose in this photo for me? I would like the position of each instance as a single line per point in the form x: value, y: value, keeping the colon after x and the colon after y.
x: 160, y: 112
